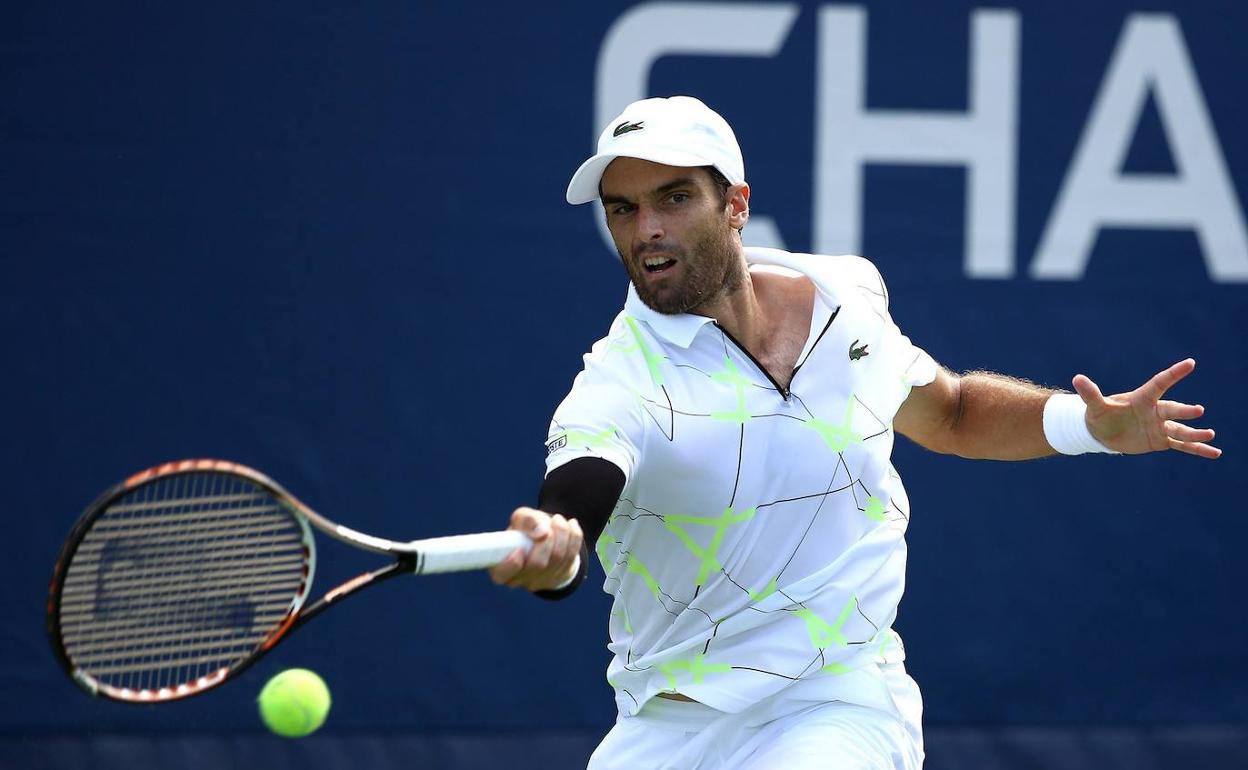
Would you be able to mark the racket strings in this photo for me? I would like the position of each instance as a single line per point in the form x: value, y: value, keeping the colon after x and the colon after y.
x: 180, y: 578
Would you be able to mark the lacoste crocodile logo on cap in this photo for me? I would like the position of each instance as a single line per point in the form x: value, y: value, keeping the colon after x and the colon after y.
x: 857, y: 353
x: 625, y: 127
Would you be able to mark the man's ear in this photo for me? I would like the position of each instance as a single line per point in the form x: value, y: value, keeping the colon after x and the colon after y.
x: 738, y: 206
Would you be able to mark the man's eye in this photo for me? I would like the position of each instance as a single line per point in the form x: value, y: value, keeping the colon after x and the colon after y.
x: 679, y: 197
x: 622, y: 209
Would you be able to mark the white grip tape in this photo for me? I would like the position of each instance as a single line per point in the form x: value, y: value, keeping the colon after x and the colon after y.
x: 460, y: 553
x: 1065, y: 428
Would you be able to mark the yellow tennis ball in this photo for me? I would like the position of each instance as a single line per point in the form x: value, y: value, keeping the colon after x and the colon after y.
x: 294, y: 703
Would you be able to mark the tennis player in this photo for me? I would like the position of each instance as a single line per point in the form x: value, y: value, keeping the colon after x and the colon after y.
x: 726, y: 450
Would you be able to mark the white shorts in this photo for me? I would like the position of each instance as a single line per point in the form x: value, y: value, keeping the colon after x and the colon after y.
x: 788, y: 731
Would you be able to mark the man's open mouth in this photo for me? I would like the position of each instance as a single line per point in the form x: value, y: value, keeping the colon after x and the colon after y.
x: 657, y: 264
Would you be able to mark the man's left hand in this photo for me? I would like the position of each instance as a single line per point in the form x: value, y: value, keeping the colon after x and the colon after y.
x: 1140, y: 421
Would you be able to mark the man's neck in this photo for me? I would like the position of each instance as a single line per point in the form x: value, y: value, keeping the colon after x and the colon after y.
x: 739, y: 311
x: 769, y: 315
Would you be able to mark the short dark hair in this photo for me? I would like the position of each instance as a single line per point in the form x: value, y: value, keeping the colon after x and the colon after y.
x: 722, y: 183
x: 719, y: 179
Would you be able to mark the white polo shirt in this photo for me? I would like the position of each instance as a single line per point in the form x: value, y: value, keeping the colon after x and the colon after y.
x: 759, y: 538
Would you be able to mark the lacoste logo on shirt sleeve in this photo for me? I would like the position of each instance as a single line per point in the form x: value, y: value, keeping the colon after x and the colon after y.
x: 856, y: 353
x: 557, y: 443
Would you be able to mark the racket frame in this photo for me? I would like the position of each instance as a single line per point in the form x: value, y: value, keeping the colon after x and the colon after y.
x: 406, y: 561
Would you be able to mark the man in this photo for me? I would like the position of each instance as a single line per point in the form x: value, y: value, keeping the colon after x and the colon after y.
x: 726, y: 450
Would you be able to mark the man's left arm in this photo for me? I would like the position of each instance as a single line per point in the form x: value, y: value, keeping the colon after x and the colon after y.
x: 990, y: 416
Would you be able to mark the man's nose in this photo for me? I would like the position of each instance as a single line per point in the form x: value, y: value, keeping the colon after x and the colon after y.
x: 649, y: 224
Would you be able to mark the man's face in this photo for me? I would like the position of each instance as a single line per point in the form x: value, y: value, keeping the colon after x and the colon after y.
x: 671, y: 226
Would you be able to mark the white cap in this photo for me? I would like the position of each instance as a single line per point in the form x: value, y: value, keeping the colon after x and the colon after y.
x: 678, y: 131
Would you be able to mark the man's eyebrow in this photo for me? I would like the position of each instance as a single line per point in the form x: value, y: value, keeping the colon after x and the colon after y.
x: 684, y: 181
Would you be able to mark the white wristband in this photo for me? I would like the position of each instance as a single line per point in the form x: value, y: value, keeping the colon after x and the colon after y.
x: 1065, y: 427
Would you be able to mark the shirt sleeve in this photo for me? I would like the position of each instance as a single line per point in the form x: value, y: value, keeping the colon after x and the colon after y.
x: 917, y: 367
x: 601, y: 416
x: 913, y: 364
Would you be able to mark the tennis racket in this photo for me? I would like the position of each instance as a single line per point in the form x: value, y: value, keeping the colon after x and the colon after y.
x: 180, y: 577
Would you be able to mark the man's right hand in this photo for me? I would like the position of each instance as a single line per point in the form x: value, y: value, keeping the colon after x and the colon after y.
x: 552, y: 562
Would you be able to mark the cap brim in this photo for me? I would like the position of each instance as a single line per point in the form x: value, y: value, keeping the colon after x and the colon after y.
x: 584, y: 185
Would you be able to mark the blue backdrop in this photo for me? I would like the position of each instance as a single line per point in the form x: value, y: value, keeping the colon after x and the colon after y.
x: 330, y: 242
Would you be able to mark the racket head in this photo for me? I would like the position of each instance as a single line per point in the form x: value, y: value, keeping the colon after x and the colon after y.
x: 177, y: 578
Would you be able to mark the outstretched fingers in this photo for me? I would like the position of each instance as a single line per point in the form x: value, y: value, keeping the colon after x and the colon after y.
x: 1180, y: 437
x: 1173, y: 410
x: 1199, y: 449
x: 1177, y: 430
x: 1140, y: 421
x: 1185, y: 438
x: 1162, y: 381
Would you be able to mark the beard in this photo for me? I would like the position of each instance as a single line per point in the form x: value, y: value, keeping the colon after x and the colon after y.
x: 711, y: 266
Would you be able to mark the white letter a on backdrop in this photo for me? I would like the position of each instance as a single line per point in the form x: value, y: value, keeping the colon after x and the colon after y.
x: 1150, y: 56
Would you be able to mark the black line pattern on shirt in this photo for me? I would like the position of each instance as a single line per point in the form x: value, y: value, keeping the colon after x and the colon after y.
x: 740, y: 455
x: 811, y: 352
x: 819, y: 660
x: 873, y: 414
x: 815, y: 516
x: 671, y: 433
x: 637, y: 507
x: 715, y: 630
x: 776, y: 414
x: 676, y: 601
x: 858, y: 606
x: 879, y: 293
x: 802, y: 403
x: 851, y: 483
x: 673, y: 412
x: 764, y: 671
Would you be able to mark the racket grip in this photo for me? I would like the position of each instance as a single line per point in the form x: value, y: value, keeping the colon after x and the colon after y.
x: 460, y: 553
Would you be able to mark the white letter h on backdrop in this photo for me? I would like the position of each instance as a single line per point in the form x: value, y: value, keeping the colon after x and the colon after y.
x: 984, y: 139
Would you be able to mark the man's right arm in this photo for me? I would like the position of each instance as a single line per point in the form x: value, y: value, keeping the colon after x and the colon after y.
x: 573, y: 507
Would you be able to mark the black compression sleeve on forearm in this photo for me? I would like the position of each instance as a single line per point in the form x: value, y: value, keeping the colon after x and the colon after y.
x: 585, y: 489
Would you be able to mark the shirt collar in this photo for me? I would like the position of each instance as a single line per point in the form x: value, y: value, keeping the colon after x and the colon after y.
x: 678, y: 329
x: 681, y: 328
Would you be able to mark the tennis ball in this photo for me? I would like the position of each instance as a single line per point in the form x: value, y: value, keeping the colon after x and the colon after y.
x: 294, y: 703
